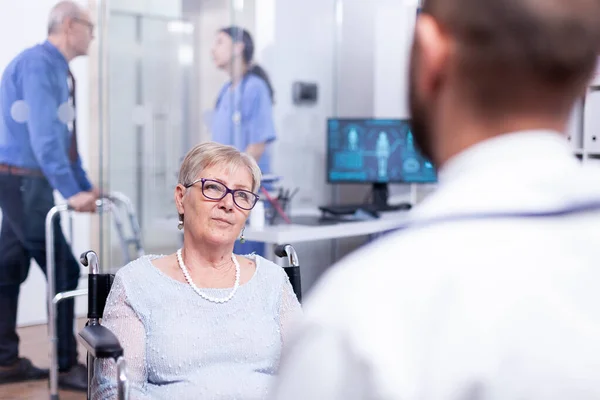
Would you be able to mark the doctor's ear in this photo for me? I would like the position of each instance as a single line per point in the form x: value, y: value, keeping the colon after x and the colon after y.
x: 238, y: 49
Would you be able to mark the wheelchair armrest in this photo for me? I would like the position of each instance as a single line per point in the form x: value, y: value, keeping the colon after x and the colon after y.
x: 100, y: 342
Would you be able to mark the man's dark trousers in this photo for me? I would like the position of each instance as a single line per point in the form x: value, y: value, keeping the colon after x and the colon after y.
x: 25, y: 202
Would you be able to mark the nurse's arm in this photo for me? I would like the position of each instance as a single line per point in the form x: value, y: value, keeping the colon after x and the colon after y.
x: 256, y: 150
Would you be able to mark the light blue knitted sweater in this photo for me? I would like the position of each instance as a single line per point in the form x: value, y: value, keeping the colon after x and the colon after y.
x: 179, y: 346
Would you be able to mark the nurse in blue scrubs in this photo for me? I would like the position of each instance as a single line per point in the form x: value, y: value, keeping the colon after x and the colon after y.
x: 243, y: 115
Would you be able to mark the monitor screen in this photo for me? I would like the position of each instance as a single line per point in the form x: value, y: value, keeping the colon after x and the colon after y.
x: 375, y: 151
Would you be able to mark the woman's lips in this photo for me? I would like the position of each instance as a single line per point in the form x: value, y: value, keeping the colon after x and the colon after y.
x: 223, y: 220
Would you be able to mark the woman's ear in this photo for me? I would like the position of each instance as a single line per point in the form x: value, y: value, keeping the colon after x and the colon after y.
x: 179, y: 193
x: 238, y: 49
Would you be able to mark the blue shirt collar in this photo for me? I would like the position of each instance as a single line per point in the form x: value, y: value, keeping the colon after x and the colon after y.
x: 56, y: 54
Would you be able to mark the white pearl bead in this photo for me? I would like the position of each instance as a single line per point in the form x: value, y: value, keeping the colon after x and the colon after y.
x: 204, y: 295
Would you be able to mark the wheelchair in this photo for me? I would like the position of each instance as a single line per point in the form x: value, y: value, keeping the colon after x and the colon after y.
x: 101, y: 343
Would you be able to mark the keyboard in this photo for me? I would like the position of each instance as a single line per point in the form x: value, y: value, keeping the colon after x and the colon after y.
x: 318, y: 221
x: 348, y: 209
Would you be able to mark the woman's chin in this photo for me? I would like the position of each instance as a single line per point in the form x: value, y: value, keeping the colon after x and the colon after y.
x: 221, y: 239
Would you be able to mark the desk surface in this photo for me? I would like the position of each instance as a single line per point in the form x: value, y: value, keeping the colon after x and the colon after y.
x: 294, y: 233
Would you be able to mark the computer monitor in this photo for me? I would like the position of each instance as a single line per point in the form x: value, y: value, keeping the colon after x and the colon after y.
x: 376, y: 152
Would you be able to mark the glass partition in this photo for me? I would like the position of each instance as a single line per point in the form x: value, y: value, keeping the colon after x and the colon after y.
x: 148, y: 72
x: 149, y: 64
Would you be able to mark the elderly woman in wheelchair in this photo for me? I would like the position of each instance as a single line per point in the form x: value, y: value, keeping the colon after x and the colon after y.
x: 202, y: 323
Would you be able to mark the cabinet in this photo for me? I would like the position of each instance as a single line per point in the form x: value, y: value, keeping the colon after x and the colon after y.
x: 584, y: 128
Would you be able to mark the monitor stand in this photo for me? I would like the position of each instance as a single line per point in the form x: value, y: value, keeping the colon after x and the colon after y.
x: 380, y: 196
x: 378, y: 204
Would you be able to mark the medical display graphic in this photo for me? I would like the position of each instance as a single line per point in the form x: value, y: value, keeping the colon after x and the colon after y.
x: 375, y: 151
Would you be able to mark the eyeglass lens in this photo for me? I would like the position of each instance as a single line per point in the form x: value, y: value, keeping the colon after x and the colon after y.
x: 216, y: 191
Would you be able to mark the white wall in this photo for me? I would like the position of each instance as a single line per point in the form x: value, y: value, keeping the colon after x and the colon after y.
x: 166, y: 8
x: 392, y: 50
x: 295, y: 42
x: 23, y: 24
x: 300, y: 47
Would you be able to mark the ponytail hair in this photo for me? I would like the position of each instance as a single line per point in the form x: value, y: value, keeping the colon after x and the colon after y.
x: 259, y: 71
x: 240, y: 35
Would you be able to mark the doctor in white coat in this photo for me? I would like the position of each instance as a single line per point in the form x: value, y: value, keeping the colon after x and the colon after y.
x: 480, y: 308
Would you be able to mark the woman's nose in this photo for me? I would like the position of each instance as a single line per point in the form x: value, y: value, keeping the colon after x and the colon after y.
x: 227, y: 202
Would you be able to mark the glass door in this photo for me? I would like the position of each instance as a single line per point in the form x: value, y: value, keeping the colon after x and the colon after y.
x: 149, y: 68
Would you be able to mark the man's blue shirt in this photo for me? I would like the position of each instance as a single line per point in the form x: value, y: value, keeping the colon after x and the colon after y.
x: 33, y: 87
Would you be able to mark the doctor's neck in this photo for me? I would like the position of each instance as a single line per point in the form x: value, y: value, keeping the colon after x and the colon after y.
x: 237, y: 72
x: 457, y: 127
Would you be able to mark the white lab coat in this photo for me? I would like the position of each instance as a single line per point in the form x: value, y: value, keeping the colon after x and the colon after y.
x: 479, y: 310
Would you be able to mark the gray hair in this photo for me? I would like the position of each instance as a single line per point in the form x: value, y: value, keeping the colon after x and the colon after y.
x: 60, y: 12
x: 208, y: 154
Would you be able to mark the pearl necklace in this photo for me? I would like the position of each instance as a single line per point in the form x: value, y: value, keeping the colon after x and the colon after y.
x: 188, y: 278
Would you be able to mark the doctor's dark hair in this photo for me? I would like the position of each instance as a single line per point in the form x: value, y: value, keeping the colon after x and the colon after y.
x: 521, y: 54
x: 240, y: 35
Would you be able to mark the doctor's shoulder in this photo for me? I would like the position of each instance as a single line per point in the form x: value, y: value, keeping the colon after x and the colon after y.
x: 255, y: 86
x: 383, y: 266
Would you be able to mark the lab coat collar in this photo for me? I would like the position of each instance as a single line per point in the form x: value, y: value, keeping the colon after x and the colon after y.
x: 514, y: 172
x: 507, y: 148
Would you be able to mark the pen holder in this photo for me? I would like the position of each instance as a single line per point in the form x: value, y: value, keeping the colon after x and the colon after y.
x: 273, y: 216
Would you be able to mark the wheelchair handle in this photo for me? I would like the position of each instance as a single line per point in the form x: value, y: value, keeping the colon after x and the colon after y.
x: 286, y: 250
x: 293, y: 270
x: 90, y: 259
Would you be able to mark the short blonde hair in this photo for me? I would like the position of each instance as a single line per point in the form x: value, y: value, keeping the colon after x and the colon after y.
x: 209, y: 154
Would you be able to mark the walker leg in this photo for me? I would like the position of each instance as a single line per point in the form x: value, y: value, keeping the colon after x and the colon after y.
x: 51, y: 292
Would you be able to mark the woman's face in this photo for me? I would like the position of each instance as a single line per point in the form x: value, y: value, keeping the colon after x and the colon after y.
x: 221, y: 50
x: 218, y: 222
x: 224, y: 49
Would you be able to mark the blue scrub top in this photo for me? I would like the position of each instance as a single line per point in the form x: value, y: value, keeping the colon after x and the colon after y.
x: 244, y: 116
